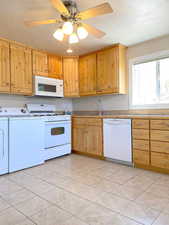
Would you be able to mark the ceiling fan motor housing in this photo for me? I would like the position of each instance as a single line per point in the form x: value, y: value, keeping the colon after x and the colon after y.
x: 71, y: 6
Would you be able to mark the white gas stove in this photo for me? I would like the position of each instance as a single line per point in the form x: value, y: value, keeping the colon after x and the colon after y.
x: 57, y: 129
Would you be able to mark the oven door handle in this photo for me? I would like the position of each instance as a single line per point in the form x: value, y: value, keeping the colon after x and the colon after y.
x: 58, y: 122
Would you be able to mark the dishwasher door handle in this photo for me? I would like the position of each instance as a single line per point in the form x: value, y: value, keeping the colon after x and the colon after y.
x: 117, y: 122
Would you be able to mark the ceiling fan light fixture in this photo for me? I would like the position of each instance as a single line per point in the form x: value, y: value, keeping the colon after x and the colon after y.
x: 67, y: 28
x: 73, y: 38
x: 82, y: 32
x: 59, y: 35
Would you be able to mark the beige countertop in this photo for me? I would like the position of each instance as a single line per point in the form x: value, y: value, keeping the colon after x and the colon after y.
x: 122, y: 116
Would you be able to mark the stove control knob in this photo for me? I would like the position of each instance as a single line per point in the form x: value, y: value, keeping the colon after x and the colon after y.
x: 23, y: 111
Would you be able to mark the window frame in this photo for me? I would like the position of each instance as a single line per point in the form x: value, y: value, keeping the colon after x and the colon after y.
x: 143, y: 59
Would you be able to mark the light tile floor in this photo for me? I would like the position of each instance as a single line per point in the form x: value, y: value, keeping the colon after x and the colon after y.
x: 77, y: 190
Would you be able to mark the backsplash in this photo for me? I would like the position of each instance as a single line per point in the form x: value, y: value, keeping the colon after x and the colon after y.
x: 101, y: 103
x: 20, y: 101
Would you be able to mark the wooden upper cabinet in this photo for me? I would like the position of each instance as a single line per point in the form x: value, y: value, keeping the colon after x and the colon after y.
x: 55, y: 66
x: 87, y: 74
x: 40, y: 63
x: 21, y: 70
x: 71, y: 76
x: 111, y: 68
x: 4, y: 67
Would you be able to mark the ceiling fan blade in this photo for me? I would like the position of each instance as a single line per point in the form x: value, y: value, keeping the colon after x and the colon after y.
x: 94, y: 31
x: 41, y: 22
x: 99, y: 10
x: 58, y: 4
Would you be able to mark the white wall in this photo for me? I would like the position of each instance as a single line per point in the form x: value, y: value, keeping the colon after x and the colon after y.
x: 115, y: 102
x: 19, y: 101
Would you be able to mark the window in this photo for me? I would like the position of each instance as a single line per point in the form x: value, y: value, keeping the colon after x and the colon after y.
x: 150, y: 83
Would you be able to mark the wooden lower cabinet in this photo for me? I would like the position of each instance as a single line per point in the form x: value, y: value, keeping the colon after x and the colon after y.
x: 87, y: 136
x: 160, y: 135
x: 141, y: 157
x: 140, y: 134
x: 160, y: 160
x: 159, y: 124
x: 79, y: 139
x: 151, y: 144
x: 141, y: 143
x: 148, y: 153
x: 140, y: 124
x: 160, y: 147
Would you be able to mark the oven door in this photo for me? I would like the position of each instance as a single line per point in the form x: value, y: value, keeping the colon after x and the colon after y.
x: 48, y: 87
x: 57, y: 133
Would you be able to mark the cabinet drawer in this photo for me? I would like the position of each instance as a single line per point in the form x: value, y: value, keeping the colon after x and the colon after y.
x: 141, y: 145
x: 162, y: 147
x: 143, y: 124
x: 159, y: 135
x: 160, y: 160
x: 141, y: 157
x: 159, y: 124
x: 140, y: 134
x: 87, y: 122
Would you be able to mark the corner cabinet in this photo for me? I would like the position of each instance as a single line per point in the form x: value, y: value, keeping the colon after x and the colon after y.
x: 111, y: 71
x: 40, y: 63
x: 87, y: 136
x: 21, y: 70
x: 87, y: 75
x: 55, y: 66
x: 71, y: 76
x: 4, y: 67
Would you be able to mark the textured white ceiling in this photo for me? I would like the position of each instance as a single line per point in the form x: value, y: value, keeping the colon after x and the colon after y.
x: 132, y: 21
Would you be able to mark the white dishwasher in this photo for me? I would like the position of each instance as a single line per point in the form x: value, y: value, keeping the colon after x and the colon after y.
x: 117, y: 140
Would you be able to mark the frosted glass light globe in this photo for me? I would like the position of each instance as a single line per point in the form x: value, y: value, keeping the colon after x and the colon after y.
x: 73, y: 38
x: 82, y: 32
x: 67, y: 28
x: 59, y: 35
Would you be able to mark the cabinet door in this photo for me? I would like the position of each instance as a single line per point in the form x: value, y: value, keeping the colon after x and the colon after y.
x: 94, y: 140
x: 3, y: 146
x: 87, y: 136
x: 4, y: 67
x: 21, y: 70
x: 55, y: 66
x: 79, y: 139
x: 107, y: 71
x: 40, y: 63
x: 87, y: 74
x: 71, y: 77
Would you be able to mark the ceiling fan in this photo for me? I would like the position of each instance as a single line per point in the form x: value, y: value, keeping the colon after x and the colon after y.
x: 71, y: 20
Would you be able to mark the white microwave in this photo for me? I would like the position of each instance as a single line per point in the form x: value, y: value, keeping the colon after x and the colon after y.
x: 45, y: 86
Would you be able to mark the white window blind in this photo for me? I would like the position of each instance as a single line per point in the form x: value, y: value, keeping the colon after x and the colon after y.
x: 150, y: 83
